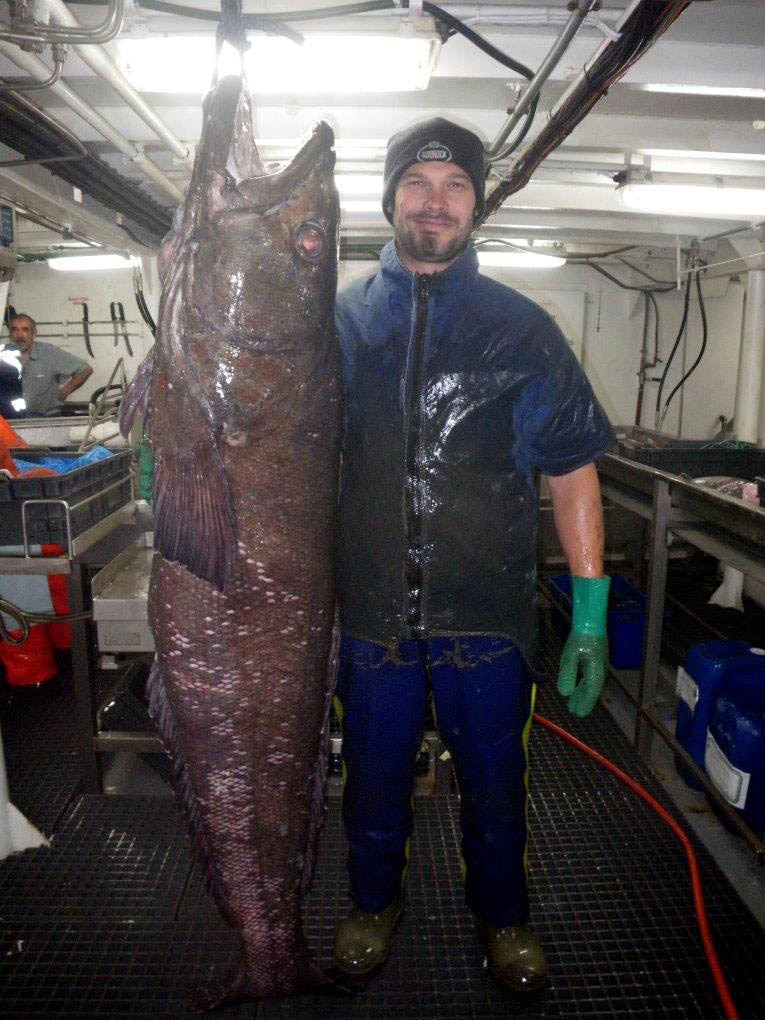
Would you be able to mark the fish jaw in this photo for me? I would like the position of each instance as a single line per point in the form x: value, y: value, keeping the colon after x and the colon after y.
x: 287, y: 224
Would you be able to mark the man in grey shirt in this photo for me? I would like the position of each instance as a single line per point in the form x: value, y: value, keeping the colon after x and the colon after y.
x: 49, y: 374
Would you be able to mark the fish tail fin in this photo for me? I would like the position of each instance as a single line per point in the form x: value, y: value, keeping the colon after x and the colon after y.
x: 301, y: 976
x: 162, y: 714
x: 135, y: 397
x: 193, y: 519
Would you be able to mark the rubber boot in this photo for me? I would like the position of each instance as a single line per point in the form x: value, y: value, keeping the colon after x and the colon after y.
x: 363, y: 941
x: 515, y: 955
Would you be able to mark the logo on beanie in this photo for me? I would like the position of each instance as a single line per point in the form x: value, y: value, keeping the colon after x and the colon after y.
x: 434, y: 152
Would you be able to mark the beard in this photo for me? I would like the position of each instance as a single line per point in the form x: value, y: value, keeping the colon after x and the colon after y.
x: 425, y: 245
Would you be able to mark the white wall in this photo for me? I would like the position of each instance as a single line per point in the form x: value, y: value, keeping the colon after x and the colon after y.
x: 602, y: 322
x: 48, y: 295
x: 611, y: 335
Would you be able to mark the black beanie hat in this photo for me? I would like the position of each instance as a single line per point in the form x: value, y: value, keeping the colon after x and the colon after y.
x: 434, y: 141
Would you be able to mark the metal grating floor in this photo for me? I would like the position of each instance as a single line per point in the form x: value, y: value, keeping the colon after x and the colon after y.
x: 112, y: 922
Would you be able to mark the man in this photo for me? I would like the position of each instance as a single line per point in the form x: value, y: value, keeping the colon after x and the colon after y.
x: 458, y: 391
x: 49, y: 374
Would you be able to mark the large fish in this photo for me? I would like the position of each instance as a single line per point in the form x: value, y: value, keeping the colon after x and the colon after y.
x: 242, y: 398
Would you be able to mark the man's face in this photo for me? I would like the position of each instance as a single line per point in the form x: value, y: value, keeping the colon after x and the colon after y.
x: 432, y: 215
x: 23, y: 333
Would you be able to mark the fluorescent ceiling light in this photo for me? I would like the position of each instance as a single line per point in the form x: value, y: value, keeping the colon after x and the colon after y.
x: 324, y: 63
x: 519, y: 259
x: 708, y: 90
x: 693, y: 200
x: 743, y: 157
x: 78, y: 263
x: 360, y: 205
x: 356, y: 185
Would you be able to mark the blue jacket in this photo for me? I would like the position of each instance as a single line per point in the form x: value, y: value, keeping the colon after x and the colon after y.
x: 458, y: 391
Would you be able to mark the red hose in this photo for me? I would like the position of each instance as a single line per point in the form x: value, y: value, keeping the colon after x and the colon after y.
x: 698, y: 895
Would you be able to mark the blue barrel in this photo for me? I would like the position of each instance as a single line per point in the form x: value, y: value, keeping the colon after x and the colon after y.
x: 700, y: 680
x: 735, y: 745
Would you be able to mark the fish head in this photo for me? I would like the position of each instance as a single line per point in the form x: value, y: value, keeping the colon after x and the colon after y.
x: 265, y: 238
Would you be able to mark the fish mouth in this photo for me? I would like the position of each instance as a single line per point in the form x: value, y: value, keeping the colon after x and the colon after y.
x: 227, y: 151
x: 268, y: 190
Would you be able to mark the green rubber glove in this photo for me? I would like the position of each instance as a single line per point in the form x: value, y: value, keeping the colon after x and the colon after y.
x: 586, y: 645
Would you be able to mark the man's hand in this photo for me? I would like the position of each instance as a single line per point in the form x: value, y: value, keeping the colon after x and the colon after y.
x: 586, y: 646
x: 74, y: 383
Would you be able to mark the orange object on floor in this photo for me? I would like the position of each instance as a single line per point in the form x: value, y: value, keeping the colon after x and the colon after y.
x: 31, y: 663
x: 60, y: 634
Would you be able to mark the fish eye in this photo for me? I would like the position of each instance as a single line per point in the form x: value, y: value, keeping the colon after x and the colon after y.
x: 310, y: 240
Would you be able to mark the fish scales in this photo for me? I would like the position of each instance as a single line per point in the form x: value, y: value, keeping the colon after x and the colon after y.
x: 242, y: 405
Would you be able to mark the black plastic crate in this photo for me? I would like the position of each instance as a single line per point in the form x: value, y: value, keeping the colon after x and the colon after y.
x: 46, y: 522
x: 91, y: 477
x: 700, y: 461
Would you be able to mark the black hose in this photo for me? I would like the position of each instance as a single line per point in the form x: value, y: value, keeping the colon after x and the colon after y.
x: 256, y: 20
x: 620, y: 283
x: 600, y: 254
x: 655, y: 304
x: 653, y: 279
x: 676, y: 344
x: 341, y: 11
x: 146, y: 315
x: 140, y: 300
x: 273, y: 26
x: 704, y: 332
x: 475, y: 38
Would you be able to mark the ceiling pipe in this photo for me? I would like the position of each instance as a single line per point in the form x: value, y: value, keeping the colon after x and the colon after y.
x: 521, y: 14
x: 35, y: 67
x: 80, y: 151
x: 55, y: 226
x: 59, y: 57
x: 36, y: 33
x: 102, y: 64
x: 609, y: 63
x: 17, y: 190
x: 582, y: 8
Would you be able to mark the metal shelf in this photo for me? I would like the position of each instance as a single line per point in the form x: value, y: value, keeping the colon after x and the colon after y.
x: 723, y: 526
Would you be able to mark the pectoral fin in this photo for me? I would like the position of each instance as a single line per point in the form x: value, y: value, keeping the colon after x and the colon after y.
x: 193, y: 520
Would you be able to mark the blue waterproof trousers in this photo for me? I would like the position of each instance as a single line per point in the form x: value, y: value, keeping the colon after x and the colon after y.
x: 483, y: 696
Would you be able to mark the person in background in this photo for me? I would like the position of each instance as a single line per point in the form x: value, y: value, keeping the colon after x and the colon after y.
x: 459, y: 392
x: 49, y: 374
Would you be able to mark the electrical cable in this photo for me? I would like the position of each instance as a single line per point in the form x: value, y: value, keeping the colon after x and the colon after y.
x: 490, y: 50
x: 620, y: 283
x: 655, y: 303
x: 582, y: 255
x: 643, y: 360
x: 704, y: 333
x: 683, y: 324
x: 269, y: 25
x: 256, y: 20
x: 140, y: 300
x: 653, y: 279
x: 478, y: 40
x: 693, y: 865
x: 646, y: 24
